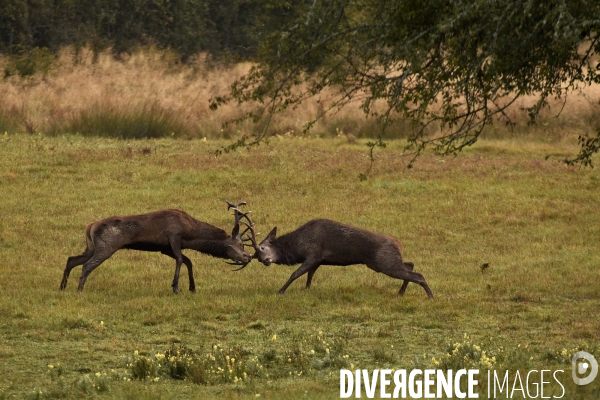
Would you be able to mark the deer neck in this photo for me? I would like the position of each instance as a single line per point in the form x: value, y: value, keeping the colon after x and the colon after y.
x: 209, y: 240
x: 286, y: 250
x: 213, y: 247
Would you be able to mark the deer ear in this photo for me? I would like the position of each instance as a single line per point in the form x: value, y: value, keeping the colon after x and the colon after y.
x: 236, y: 230
x: 272, y: 234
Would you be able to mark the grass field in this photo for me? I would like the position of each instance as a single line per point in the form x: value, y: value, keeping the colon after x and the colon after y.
x: 535, y: 221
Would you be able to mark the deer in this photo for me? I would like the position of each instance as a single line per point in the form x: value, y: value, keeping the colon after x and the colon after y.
x: 166, y: 231
x: 326, y: 242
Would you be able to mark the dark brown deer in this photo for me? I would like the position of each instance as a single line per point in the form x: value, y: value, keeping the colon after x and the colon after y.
x: 325, y: 242
x: 165, y: 231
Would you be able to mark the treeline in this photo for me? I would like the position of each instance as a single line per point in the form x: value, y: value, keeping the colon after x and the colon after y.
x: 231, y: 28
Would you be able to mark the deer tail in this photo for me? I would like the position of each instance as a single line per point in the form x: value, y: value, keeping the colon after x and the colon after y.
x: 89, y: 241
x: 397, y: 243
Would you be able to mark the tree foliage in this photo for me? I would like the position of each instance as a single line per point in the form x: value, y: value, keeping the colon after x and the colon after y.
x: 449, y: 66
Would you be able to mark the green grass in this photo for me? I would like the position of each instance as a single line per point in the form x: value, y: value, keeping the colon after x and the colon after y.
x: 536, y: 222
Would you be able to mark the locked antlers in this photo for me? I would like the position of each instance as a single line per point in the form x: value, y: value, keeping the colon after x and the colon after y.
x: 249, y: 232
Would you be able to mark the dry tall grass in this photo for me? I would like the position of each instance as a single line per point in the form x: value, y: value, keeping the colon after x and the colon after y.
x: 81, y: 84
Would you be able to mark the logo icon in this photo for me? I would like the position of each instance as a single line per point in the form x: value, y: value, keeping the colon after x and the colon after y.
x: 582, y: 363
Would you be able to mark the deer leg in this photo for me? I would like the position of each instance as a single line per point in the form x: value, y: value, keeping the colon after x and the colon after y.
x: 411, y: 276
x: 410, y: 266
x: 188, y: 264
x: 311, y: 272
x: 72, y: 262
x: 98, y: 258
x: 306, y: 266
x: 176, y: 248
x: 406, y: 275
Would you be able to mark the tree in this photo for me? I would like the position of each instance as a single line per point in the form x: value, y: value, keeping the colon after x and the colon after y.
x: 184, y: 26
x: 455, y: 65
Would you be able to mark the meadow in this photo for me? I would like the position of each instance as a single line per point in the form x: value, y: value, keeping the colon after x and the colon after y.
x: 74, y: 148
x: 535, y: 221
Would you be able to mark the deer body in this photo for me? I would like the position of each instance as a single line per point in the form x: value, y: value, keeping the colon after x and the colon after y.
x: 165, y: 231
x: 325, y: 242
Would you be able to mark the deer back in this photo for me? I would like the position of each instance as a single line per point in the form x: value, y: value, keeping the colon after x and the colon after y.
x: 151, y: 229
x: 332, y: 242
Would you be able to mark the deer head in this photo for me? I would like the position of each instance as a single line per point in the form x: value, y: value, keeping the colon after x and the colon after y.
x: 234, y: 248
x: 264, y: 252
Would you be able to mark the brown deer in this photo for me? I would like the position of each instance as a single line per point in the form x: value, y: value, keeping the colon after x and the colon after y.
x: 325, y: 242
x: 166, y: 231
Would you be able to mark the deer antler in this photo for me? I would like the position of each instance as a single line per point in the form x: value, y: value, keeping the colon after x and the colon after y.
x: 249, y: 227
x: 238, y: 215
x: 234, y: 206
